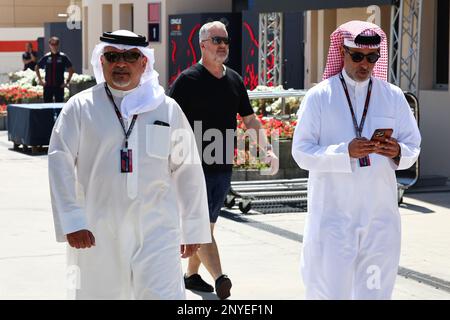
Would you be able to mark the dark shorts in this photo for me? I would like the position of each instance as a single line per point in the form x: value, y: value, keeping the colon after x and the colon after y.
x: 217, y: 187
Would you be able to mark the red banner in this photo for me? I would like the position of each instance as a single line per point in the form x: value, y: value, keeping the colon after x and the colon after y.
x: 16, y: 46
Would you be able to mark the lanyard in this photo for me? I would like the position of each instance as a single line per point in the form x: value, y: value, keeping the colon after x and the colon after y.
x: 119, y: 116
x: 358, y: 129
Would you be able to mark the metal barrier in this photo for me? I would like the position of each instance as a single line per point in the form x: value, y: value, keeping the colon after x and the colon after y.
x: 283, y: 94
x: 270, y: 196
x: 290, y: 195
x: 408, y: 177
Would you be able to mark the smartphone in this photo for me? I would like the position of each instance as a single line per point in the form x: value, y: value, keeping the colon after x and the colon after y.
x: 381, y: 134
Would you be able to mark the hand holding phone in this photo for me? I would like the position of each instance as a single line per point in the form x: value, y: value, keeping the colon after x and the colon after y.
x: 381, y: 135
x: 391, y: 148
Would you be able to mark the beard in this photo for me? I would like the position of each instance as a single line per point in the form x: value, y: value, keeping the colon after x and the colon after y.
x: 121, y: 78
x: 222, y: 58
x: 121, y: 83
x: 362, y: 74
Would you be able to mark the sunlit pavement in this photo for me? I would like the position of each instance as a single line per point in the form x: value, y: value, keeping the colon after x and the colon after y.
x: 260, y: 253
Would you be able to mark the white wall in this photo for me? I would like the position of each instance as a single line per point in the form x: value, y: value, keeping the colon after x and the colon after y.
x: 161, y: 50
x: 140, y: 10
x: 92, y: 29
x: 8, y: 34
x: 12, y: 61
x: 435, y: 130
x: 434, y: 104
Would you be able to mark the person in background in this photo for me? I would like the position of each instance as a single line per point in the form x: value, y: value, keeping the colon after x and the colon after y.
x: 55, y: 64
x: 29, y: 57
x: 212, y: 94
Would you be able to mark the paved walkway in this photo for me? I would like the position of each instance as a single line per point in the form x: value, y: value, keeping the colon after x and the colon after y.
x: 259, y: 252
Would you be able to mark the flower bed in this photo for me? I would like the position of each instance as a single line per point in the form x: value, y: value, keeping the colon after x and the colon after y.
x: 16, y: 94
x: 274, y: 127
x: 24, y: 88
x: 283, y: 128
x: 75, y: 88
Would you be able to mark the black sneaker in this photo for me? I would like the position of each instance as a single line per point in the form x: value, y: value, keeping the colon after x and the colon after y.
x: 223, y: 286
x: 195, y: 282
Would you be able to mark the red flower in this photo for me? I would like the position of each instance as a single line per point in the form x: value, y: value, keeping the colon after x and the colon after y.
x: 16, y: 94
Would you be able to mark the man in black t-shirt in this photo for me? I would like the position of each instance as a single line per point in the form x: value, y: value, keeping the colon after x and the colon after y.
x: 29, y: 57
x: 211, y: 95
x: 55, y: 64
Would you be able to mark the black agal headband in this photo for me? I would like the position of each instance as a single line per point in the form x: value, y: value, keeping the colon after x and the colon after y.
x: 139, y: 41
x: 368, y: 40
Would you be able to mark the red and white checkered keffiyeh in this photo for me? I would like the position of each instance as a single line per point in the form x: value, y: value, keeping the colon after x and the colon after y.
x: 350, y: 31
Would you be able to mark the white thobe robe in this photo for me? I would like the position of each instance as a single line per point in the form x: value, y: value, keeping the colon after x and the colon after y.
x: 352, y: 234
x: 138, y: 219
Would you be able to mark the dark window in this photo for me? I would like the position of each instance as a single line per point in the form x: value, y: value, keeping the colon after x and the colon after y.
x: 442, y: 39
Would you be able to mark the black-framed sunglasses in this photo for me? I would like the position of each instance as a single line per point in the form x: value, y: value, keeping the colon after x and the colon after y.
x: 219, y: 40
x: 127, y: 56
x: 358, y: 56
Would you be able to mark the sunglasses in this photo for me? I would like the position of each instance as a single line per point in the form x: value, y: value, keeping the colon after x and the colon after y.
x: 219, y: 40
x: 358, y: 56
x: 54, y: 43
x: 127, y: 56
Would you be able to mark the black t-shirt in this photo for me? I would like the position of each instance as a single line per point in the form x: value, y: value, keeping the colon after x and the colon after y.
x: 27, y: 56
x: 216, y: 103
x: 55, y: 65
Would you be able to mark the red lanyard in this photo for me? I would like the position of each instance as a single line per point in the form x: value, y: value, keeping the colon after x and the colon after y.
x: 119, y: 116
x: 358, y: 129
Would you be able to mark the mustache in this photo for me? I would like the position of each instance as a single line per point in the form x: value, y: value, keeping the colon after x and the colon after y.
x: 120, y: 70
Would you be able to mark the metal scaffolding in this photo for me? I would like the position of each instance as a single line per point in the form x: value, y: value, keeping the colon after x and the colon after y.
x: 270, y: 56
x: 405, y: 45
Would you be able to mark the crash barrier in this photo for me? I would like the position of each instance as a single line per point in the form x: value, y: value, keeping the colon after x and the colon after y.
x: 408, y: 177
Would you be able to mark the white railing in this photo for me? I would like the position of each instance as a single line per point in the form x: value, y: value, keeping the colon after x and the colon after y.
x: 276, y: 94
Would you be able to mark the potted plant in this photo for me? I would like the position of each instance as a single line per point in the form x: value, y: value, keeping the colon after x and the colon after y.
x: 80, y: 82
x: 246, y: 167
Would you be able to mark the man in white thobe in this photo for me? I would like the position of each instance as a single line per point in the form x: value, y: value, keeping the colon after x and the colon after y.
x: 352, y: 235
x: 127, y: 186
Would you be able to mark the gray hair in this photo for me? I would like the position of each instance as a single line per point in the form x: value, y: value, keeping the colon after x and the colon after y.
x: 203, y: 34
